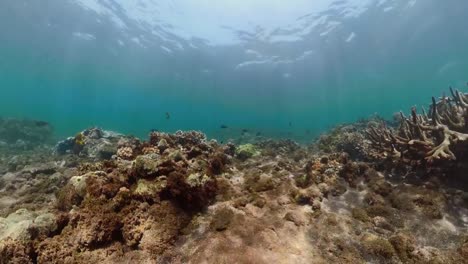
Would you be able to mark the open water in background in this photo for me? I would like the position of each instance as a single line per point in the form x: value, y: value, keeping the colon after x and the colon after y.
x: 282, y: 68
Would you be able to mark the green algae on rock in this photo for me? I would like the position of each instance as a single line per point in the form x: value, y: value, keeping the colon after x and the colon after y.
x: 246, y: 151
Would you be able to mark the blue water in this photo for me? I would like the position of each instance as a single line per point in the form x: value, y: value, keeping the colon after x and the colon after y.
x: 66, y: 64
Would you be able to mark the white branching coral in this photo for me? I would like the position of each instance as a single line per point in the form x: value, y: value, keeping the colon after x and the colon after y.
x: 430, y: 136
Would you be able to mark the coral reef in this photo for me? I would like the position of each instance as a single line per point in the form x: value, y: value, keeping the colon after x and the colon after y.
x: 348, y: 138
x: 127, y: 201
x: 181, y: 198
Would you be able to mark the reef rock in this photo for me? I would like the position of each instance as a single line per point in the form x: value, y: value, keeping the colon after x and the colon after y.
x: 24, y: 133
x: 246, y: 151
x: 23, y: 224
x: 95, y: 143
x: 180, y: 198
x: 350, y: 138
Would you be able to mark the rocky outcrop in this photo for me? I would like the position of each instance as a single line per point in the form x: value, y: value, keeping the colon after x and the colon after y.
x: 24, y: 133
x: 94, y: 143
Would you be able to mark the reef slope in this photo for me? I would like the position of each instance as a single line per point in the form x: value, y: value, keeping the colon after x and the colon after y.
x: 180, y: 198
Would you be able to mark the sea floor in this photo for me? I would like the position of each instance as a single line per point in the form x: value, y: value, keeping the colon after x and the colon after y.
x: 102, y: 197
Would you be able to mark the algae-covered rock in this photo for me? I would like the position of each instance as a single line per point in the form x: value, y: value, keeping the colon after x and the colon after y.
x: 94, y: 143
x: 404, y: 245
x: 67, y: 197
x: 346, y: 138
x: 296, y: 217
x: 308, y: 196
x: 222, y: 218
x: 463, y: 249
x: 197, y: 179
x: 246, y: 151
x: 103, y: 150
x: 150, y: 189
x: 12, y: 251
x: 430, y: 205
x: 378, y: 246
x: 146, y: 165
x: 20, y: 225
x: 193, y: 192
x: 260, y: 183
x: 152, y: 165
x: 360, y: 214
x: 380, y: 186
x: 75, y: 191
x: 44, y: 224
x: 80, y: 182
x: 379, y: 210
x: 401, y: 201
x: 16, y: 225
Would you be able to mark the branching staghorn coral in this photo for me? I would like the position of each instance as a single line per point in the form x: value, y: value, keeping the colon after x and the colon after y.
x: 430, y: 136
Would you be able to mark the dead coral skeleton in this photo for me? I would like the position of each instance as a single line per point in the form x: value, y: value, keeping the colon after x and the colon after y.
x: 430, y: 136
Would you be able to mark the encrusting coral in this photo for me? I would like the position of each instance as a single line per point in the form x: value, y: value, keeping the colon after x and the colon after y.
x: 436, y: 135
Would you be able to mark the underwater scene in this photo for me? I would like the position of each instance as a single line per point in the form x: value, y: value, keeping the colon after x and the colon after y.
x: 233, y: 131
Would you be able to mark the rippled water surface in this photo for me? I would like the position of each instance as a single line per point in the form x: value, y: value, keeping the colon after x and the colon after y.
x: 283, y: 69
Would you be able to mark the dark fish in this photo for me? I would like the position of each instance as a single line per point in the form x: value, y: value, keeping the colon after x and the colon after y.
x: 258, y: 134
x: 223, y: 126
x: 307, y: 132
x: 244, y: 131
x: 168, y: 116
x: 41, y: 123
x: 154, y: 130
x: 290, y: 124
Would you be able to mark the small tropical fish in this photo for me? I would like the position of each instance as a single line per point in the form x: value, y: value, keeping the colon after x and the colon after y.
x: 223, y: 127
x: 41, y: 123
x: 168, y: 116
x: 244, y: 131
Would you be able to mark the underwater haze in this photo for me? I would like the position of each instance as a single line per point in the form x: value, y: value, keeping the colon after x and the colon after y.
x: 282, y: 68
x: 233, y: 131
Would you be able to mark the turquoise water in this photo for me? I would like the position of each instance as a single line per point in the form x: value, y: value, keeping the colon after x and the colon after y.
x: 397, y: 58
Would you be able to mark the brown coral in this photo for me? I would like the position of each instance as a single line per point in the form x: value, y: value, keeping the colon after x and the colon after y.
x: 125, y: 153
